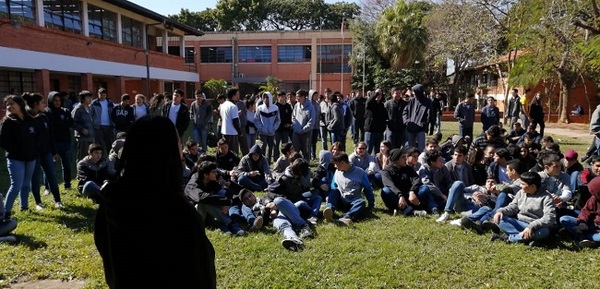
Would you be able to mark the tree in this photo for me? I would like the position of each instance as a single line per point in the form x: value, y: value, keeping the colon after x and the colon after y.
x: 272, y: 85
x: 371, y: 9
x: 401, y: 35
x: 204, y: 20
x: 216, y: 86
x: 241, y: 15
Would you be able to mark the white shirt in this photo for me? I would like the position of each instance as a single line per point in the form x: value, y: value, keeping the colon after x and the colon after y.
x: 173, y: 112
x: 140, y: 111
x: 104, y: 116
x: 229, y: 112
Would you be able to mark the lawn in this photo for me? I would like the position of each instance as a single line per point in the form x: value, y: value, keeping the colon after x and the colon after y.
x: 379, y: 252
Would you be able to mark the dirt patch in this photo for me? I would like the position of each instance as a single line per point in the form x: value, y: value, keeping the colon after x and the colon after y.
x: 49, y: 284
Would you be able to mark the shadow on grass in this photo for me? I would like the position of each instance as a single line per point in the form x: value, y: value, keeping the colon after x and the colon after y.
x: 30, y: 242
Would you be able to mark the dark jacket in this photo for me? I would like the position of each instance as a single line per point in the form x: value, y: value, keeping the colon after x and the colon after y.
x: 196, y: 192
x: 590, y: 213
x: 228, y: 161
x: 394, y: 110
x: 20, y: 138
x: 289, y: 187
x: 335, y: 117
x: 248, y: 165
x: 358, y: 106
x: 416, y: 114
x: 46, y: 143
x: 89, y: 171
x: 97, y: 107
x: 60, y: 119
x: 489, y: 116
x: 183, y: 116
x: 285, y: 115
x: 200, y: 114
x: 122, y: 116
x: 465, y: 114
x: 375, y: 116
x: 467, y: 178
x: 401, y: 181
x: 83, y: 119
x: 536, y: 111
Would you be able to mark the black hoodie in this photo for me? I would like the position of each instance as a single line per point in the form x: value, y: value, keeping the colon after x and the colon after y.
x: 60, y: 119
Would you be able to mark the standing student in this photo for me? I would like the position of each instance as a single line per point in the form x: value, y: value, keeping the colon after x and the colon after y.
x: 61, y: 123
x: 303, y: 118
x: 103, y: 122
x: 83, y: 124
x: 178, y: 112
x: 267, y: 121
x: 536, y: 113
x: 465, y: 114
x: 201, y: 117
x: 282, y: 134
x: 416, y: 117
x: 123, y: 114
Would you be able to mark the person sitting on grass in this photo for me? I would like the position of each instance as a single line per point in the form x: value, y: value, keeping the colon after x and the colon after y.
x: 579, y: 183
x: 92, y: 172
x: 436, y: 176
x: 459, y: 169
x: 360, y: 158
x: 191, y: 153
x: 323, y: 174
x: 556, y: 182
x: 293, y: 186
x: 239, y: 212
x: 497, y: 169
x: 285, y: 215
x: 402, y: 188
x: 530, y: 215
x: 348, y: 185
x: 204, y: 192
x: 253, y: 170
x: 6, y: 225
x: 283, y: 161
x: 585, y: 228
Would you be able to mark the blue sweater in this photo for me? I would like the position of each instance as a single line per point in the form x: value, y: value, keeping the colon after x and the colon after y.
x: 352, y: 183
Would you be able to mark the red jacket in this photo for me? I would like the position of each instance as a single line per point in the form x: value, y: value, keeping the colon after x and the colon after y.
x: 590, y: 213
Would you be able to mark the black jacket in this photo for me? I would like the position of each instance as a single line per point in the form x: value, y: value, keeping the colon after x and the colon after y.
x: 61, y: 121
x: 375, y: 116
x: 285, y: 115
x: 123, y: 117
x: 401, y: 181
x: 20, y: 138
x: 358, y: 106
x: 183, y: 116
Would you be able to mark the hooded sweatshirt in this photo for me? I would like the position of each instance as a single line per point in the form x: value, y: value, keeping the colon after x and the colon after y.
x: 60, y: 119
x: 303, y: 117
x: 416, y: 113
x: 323, y: 174
x: 590, y: 213
x: 317, y: 107
x: 289, y: 187
x: 248, y: 165
x: 335, y: 117
x: 352, y: 183
x: 267, y: 119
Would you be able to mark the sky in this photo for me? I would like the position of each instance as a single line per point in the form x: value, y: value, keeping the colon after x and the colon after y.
x: 174, y: 6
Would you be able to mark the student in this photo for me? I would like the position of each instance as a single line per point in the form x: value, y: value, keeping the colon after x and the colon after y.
x: 267, y: 121
x: 201, y: 118
x: 580, y: 181
x: 178, y: 112
x: 303, y: 122
x: 360, y: 158
x: 530, y: 215
x: 283, y: 161
x: 465, y: 114
x: 191, y: 153
x: 92, y: 172
x: 348, y: 186
x: 123, y: 114
x: 83, y: 117
x: 145, y: 196
x: 140, y: 107
x: 556, y: 183
x: 61, y: 124
x: 586, y: 226
x: 416, y: 117
x: 253, y: 170
x: 323, y: 174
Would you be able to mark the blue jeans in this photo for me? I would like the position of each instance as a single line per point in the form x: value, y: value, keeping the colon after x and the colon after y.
x: 20, y: 173
x: 324, y: 133
x: 456, y: 199
x: 512, y: 227
x: 396, y: 138
x: 45, y: 162
x: 424, y: 194
x: 199, y: 135
x: 242, y: 212
x: 251, y: 139
x: 288, y: 216
x: 280, y: 137
x: 338, y: 135
x: 91, y: 190
x: 302, y: 143
x: 351, y: 208
x: 569, y: 223
x: 213, y: 211
x: 247, y: 183
x: 486, y: 213
x: 465, y: 131
x: 413, y: 137
x: 268, y: 146
x: 65, y: 152
x: 373, y: 139
x: 314, y: 203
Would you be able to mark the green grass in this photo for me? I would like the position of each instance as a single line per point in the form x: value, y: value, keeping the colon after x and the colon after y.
x: 379, y: 252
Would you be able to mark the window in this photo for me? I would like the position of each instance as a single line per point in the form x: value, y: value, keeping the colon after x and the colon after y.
x: 21, y: 10
x: 132, y: 32
x: 216, y: 55
x: 254, y: 54
x: 102, y: 23
x: 293, y: 53
x: 74, y: 83
x: 334, y: 58
x: 15, y: 82
x: 64, y: 15
x: 190, y: 54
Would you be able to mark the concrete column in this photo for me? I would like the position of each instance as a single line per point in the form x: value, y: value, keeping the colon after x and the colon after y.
x: 42, y: 81
x: 87, y: 82
x: 119, y: 88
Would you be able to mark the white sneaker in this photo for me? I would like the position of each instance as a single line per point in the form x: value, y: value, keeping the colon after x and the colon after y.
x: 328, y: 215
x: 39, y: 207
x: 443, y: 218
x: 456, y: 223
x: 466, y: 213
x: 8, y: 239
x: 293, y: 244
x: 312, y: 220
x: 46, y: 192
x: 59, y: 205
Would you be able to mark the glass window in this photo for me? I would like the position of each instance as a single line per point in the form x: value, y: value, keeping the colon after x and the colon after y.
x: 15, y: 82
x: 254, y: 54
x: 216, y: 55
x: 293, y: 53
x: 64, y: 15
x: 334, y: 58
x: 21, y: 10
x: 132, y: 32
x: 190, y: 54
x: 102, y: 23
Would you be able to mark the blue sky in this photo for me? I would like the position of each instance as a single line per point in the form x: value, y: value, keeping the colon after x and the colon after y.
x: 174, y: 6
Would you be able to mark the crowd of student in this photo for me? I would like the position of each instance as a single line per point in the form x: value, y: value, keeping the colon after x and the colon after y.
x: 515, y: 183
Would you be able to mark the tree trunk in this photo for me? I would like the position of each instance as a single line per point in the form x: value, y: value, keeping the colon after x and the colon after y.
x: 564, y: 98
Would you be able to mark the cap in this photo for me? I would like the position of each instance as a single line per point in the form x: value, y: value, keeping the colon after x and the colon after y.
x: 419, y: 90
x: 102, y: 90
x: 571, y: 155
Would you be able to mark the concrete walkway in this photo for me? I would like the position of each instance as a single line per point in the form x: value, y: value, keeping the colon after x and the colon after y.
x: 570, y: 130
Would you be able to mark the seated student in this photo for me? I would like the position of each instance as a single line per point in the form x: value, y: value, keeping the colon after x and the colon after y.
x: 497, y: 169
x: 478, y: 165
x: 577, y: 110
x: 92, y: 172
x: 529, y: 216
x: 412, y: 158
x: 323, y: 174
x: 403, y: 190
x: 580, y: 181
x: 529, y: 139
x: 516, y: 133
x: 285, y: 216
x: 556, y: 183
x: 226, y: 159
x: 292, y: 187
x: 6, y: 225
x: 586, y: 226
x: 571, y: 162
x: 190, y: 153
x: 283, y: 161
x: 253, y: 171
x: 447, y: 148
x: 436, y: 176
x: 349, y: 184
x: 203, y: 191
x: 114, y: 156
x: 382, y: 158
x: 492, y: 136
x: 360, y: 158
x: 459, y: 169
x: 430, y: 145
x: 527, y: 158
x: 336, y: 147
x: 493, y: 197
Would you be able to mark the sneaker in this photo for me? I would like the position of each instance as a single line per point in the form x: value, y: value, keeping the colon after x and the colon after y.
x: 395, y: 213
x: 471, y: 225
x: 435, y: 213
x: 258, y: 223
x: 443, y: 218
x: 466, y: 213
x: 234, y: 229
x: 8, y: 239
x: 46, y: 192
x: 420, y: 213
x: 312, y: 220
x: 499, y: 237
x: 328, y: 215
x: 225, y: 230
x: 587, y: 244
x: 306, y: 232
x: 456, y: 223
x: 491, y: 226
x: 344, y: 222
x: 39, y: 207
x: 293, y: 244
x: 59, y: 205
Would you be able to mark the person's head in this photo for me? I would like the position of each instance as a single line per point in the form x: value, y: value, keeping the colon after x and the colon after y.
x: 470, y: 98
x: 95, y: 152
x: 221, y: 98
x: 551, y: 162
x: 398, y: 157
x: 538, y: 96
x: 281, y: 98
x: 490, y: 182
x: 302, y: 94
x: 571, y: 157
x: 336, y: 148
x: 287, y: 149
x: 233, y: 94
x: 199, y: 96
x: 501, y: 156
x: 361, y: 148
x: 412, y: 156
x: 314, y: 96
x: 332, y: 98
x: 140, y: 99
x: 489, y: 152
x: 431, y: 145
x: 299, y: 168
x: 327, y: 92
x: 125, y: 98
x: 491, y: 101
x: 34, y: 101
x: 341, y: 161
x: 191, y: 147
x: 385, y: 147
x: 595, y: 165
x: 152, y: 153
x: 434, y: 159
x: 267, y: 98
x: 250, y: 105
x: 255, y: 152
x: 291, y: 98
x: 223, y: 146
x: 530, y: 182
x: 531, y: 128
x: 396, y: 93
x: 515, y: 168
x: 177, y: 96
x: 15, y: 105
x: 529, y: 138
x: 517, y: 126
x: 85, y: 97
x: 102, y: 92
x: 493, y: 132
x: 54, y: 99
x: 294, y: 156
x: 515, y: 92
x: 207, y: 171
x: 247, y: 197
x: 459, y: 155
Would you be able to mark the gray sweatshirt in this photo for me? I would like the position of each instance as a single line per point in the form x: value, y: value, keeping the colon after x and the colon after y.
x: 538, y: 210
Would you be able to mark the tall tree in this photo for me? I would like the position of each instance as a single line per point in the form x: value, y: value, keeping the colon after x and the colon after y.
x: 371, y: 9
x: 241, y: 15
x: 204, y: 20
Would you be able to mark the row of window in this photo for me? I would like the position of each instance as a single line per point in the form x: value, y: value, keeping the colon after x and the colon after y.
x: 331, y: 58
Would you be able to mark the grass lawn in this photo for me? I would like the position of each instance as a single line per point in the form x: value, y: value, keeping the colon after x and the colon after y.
x: 380, y: 252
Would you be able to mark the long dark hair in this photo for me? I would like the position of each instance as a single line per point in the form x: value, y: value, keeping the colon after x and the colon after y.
x: 20, y: 102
